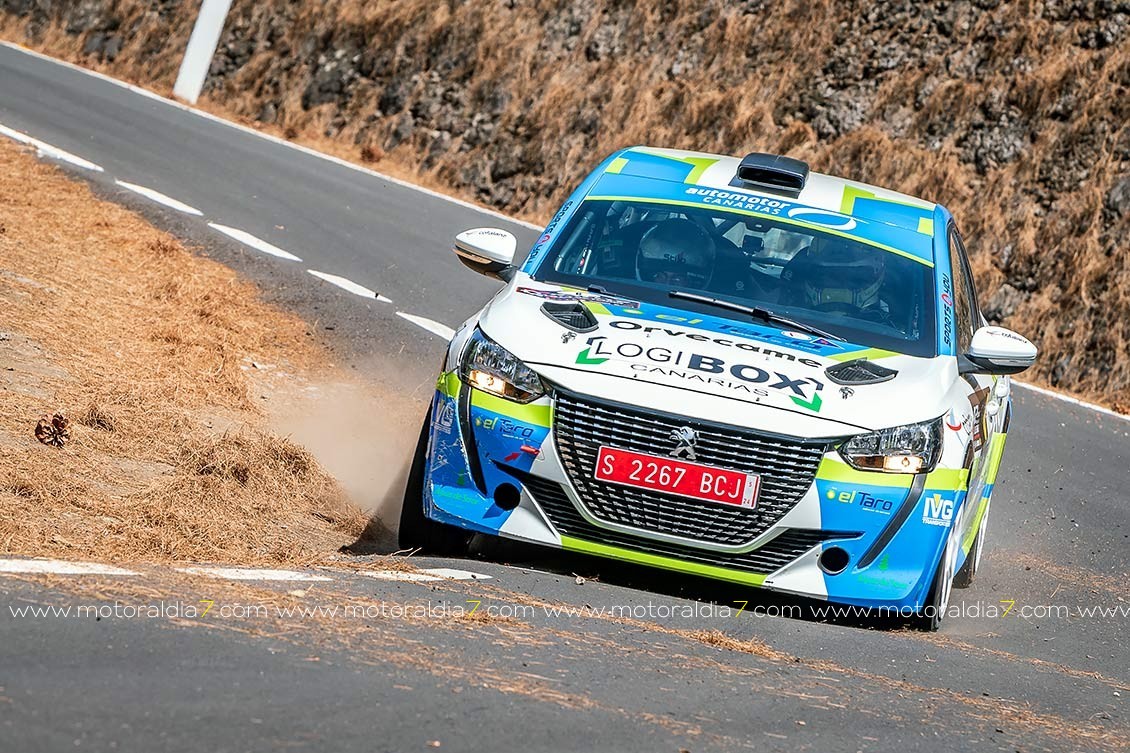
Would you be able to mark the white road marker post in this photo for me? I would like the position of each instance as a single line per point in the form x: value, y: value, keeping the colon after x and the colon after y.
x: 201, y: 47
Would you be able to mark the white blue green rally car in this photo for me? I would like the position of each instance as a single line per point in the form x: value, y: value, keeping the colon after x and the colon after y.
x: 736, y: 368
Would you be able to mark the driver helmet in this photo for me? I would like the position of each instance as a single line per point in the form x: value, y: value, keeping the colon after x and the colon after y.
x: 676, y: 252
x: 842, y: 273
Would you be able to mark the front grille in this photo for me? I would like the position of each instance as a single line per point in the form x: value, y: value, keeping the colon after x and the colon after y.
x: 787, y: 468
x: 769, y: 558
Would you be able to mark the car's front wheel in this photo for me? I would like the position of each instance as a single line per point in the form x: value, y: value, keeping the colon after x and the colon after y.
x: 416, y: 530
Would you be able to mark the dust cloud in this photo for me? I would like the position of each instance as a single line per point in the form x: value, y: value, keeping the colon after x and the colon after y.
x: 363, y: 435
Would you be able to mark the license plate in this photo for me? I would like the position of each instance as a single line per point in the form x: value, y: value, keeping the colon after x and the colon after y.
x: 673, y: 476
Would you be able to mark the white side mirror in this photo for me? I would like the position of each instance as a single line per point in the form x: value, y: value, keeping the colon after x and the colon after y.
x: 487, y: 250
x: 996, y: 350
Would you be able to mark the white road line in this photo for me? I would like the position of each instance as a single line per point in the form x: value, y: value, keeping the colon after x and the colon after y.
x: 399, y: 575
x: 160, y: 198
x: 1072, y: 400
x: 42, y: 148
x: 447, y: 572
x: 239, y: 573
x: 349, y: 285
x: 430, y: 325
x: 250, y: 240
x: 428, y: 575
x: 60, y: 567
x: 267, y: 136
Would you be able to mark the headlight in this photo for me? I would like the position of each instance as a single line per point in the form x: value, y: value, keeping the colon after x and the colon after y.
x: 488, y: 366
x: 915, y: 448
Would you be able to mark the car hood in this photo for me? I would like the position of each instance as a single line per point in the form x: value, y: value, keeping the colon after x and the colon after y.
x: 723, y: 370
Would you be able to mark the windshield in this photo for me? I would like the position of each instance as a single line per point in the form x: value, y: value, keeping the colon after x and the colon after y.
x: 644, y: 251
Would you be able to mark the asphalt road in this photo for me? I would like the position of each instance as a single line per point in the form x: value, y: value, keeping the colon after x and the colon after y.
x: 523, y: 677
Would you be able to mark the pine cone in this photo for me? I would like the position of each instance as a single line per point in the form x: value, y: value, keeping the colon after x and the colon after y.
x: 53, y: 430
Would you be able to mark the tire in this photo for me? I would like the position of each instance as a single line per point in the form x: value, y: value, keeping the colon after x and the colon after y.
x: 934, y: 610
x: 964, y: 577
x: 416, y: 530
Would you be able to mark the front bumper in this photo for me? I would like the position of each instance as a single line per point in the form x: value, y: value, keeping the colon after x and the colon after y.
x: 892, y: 528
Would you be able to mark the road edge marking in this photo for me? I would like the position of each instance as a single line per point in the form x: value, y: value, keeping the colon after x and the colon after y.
x: 59, y: 567
x: 43, y: 148
x: 251, y: 573
x: 349, y: 285
x: 1073, y: 400
x: 431, y: 325
x: 158, y: 197
x: 252, y: 241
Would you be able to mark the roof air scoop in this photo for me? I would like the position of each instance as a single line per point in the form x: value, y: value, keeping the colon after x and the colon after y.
x: 771, y: 172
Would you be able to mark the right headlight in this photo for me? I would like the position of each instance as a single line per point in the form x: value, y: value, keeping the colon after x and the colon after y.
x: 488, y: 366
x: 914, y: 448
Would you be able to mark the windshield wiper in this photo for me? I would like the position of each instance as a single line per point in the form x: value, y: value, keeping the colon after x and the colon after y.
x: 756, y: 312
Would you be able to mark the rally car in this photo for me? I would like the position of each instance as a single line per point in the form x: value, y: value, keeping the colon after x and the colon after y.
x: 736, y: 368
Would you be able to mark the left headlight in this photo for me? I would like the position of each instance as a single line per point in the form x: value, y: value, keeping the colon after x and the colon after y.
x: 488, y: 366
x: 914, y: 448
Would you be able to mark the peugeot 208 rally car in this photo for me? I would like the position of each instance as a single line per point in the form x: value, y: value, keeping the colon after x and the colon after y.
x: 735, y: 368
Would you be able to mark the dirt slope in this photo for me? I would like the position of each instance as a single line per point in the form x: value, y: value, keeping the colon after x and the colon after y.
x: 1015, y: 115
x: 149, y: 352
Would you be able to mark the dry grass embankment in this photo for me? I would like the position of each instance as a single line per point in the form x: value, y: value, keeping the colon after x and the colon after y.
x: 146, y: 349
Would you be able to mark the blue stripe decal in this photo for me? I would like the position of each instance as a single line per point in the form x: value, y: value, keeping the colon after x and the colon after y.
x: 943, y: 283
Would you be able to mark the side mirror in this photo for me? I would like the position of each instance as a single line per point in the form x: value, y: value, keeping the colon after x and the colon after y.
x: 488, y: 251
x: 996, y: 350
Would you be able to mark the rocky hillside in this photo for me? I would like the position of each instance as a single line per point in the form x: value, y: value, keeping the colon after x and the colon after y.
x: 1013, y: 114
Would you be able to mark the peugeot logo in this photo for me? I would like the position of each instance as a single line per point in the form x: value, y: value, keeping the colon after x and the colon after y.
x: 685, y: 438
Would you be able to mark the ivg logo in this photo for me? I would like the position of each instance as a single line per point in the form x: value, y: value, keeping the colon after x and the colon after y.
x: 938, y: 511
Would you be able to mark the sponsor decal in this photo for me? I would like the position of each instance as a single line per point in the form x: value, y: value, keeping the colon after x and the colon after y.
x: 788, y: 338
x: 938, y: 511
x: 978, y: 421
x: 866, y: 501
x: 685, y: 439
x: 953, y: 421
x: 947, y: 311
x: 823, y: 217
x: 696, y: 367
x: 736, y: 200
x: 631, y: 326
x: 446, y: 417
x: 773, y: 207
x: 578, y: 295
x: 506, y: 427
x: 584, y: 359
x: 1008, y: 335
